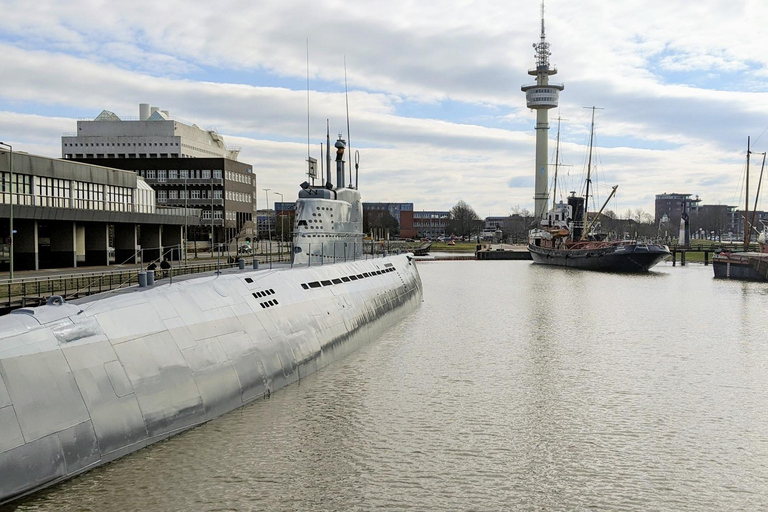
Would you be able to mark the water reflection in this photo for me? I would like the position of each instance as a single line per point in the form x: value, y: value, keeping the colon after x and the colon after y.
x: 513, y: 387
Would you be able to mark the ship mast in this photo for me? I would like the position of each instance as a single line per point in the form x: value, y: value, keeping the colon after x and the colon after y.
x: 757, y: 194
x: 589, y: 171
x: 746, y: 204
x: 557, y: 158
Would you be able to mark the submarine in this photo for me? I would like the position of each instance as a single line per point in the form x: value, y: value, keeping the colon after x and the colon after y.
x: 86, y: 381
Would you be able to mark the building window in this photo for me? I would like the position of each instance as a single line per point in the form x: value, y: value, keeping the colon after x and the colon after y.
x: 206, y: 174
x: 22, y: 188
x: 161, y: 175
x: 173, y: 194
x: 151, y: 174
x: 194, y: 194
x: 119, y: 199
x: 217, y: 174
x: 162, y: 196
x: 52, y: 192
x: 217, y: 194
x: 89, y: 196
x: 173, y: 174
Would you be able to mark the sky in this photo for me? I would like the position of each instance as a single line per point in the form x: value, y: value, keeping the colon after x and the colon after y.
x: 435, y: 106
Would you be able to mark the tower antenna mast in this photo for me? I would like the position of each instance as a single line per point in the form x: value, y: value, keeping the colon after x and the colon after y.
x: 542, y: 96
x: 310, y: 174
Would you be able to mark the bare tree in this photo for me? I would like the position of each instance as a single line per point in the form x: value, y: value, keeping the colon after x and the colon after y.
x: 518, y: 224
x: 463, y: 219
x: 380, y: 220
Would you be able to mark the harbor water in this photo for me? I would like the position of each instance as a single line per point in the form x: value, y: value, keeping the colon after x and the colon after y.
x: 513, y: 387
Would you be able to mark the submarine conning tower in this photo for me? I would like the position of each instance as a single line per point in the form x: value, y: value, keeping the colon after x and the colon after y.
x: 340, y: 146
x: 542, y: 96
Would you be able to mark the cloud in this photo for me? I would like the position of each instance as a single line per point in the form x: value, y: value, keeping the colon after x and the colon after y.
x: 435, y: 105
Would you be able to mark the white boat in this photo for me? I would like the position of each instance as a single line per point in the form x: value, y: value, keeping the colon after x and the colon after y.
x: 85, y: 382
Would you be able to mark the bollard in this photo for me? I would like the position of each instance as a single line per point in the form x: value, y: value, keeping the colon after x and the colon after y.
x: 241, y: 264
x: 150, y: 277
x: 142, y: 279
x: 255, y: 264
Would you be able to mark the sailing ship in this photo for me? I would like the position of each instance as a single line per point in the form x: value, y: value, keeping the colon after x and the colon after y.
x: 566, y: 239
x: 746, y: 265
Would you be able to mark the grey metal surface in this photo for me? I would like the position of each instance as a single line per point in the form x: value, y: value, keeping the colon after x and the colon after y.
x: 84, y: 383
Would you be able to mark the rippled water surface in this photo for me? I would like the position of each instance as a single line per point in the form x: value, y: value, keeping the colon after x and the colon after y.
x: 513, y: 387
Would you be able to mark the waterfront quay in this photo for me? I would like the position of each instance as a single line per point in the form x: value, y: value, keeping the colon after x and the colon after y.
x: 701, y: 252
x: 502, y: 252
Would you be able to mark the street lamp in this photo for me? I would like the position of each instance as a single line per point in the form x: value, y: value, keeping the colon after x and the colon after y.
x: 269, y: 231
x: 282, y: 225
x: 282, y: 218
x: 186, y: 213
x: 10, y: 190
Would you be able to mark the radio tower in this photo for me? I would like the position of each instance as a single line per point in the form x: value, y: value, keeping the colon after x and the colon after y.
x: 542, y: 96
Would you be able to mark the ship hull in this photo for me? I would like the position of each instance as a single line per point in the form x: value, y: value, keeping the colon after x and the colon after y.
x: 84, y: 383
x: 628, y: 258
x: 741, y: 266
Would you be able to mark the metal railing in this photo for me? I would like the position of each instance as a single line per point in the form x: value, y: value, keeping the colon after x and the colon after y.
x: 33, y: 291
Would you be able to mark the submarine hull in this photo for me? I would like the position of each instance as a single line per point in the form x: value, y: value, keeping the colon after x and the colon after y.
x: 84, y: 383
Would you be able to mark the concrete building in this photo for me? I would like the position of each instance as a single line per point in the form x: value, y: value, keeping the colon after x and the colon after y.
x: 431, y: 224
x: 402, y: 212
x: 154, y: 134
x: 285, y: 213
x: 673, y: 205
x: 68, y: 214
x: 494, y: 223
x: 265, y: 224
x: 222, y: 189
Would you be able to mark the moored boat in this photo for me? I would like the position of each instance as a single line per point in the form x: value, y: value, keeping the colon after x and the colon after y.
x: 565, y: 239
x: 746, y: 265
x: 559, y: 242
